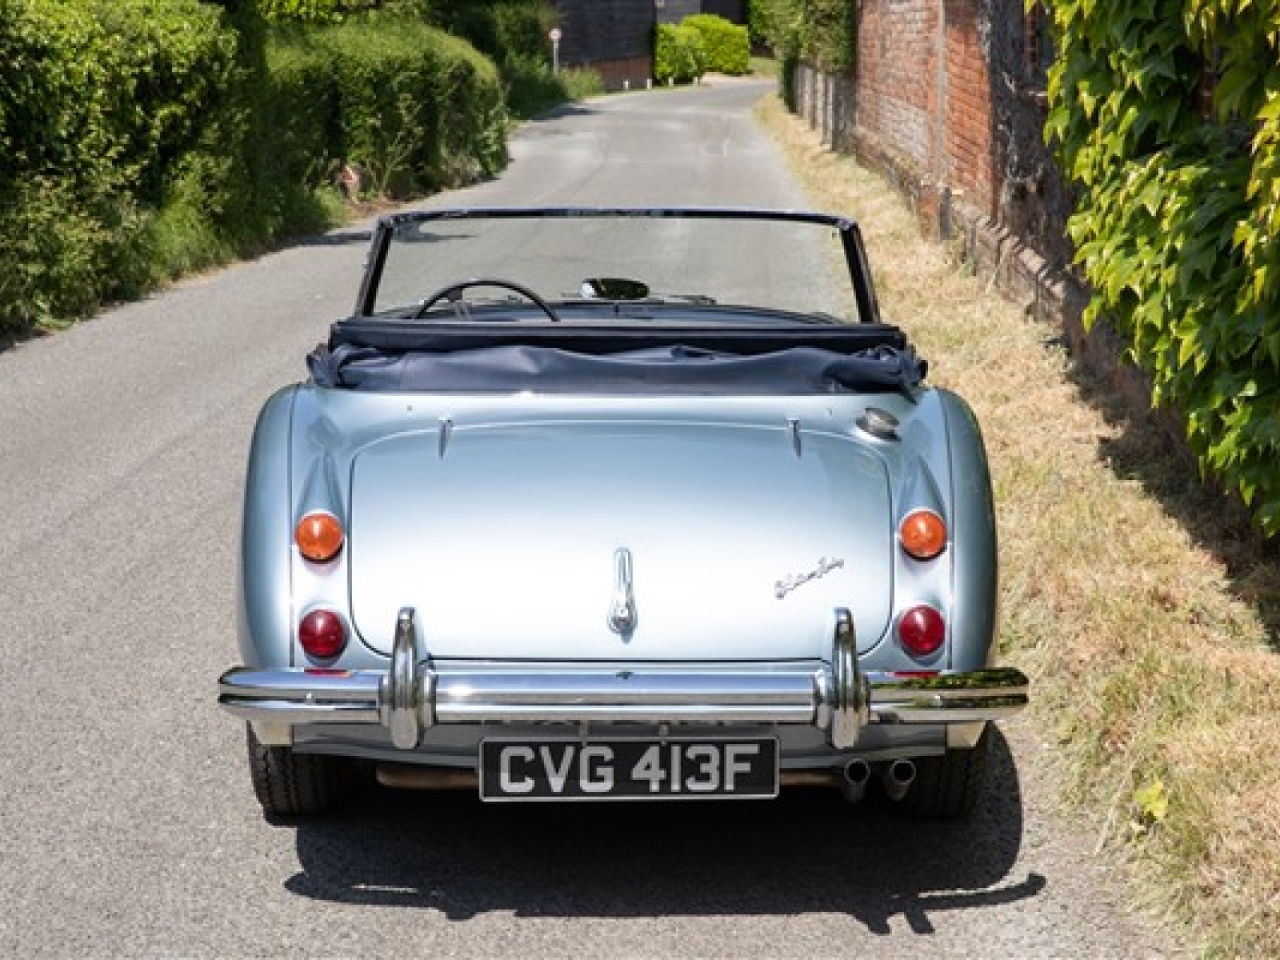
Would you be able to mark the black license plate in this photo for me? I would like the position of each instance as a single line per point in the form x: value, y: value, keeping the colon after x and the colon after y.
x: 667, y: 769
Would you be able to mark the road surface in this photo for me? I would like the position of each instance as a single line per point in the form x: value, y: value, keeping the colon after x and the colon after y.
x: 129, y: 826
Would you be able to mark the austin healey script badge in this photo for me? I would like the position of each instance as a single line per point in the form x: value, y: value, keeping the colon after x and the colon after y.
x: 825, y: 566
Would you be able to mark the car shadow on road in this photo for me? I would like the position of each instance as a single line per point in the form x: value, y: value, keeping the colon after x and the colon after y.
x: 808, y: 852
x: 339, y: 237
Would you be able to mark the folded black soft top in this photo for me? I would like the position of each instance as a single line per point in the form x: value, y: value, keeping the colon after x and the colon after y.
x: 654, y: 356
x: 666, y: 369
x: 742, y: 338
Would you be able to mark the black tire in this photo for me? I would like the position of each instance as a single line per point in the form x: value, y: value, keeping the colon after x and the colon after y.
x: 290, y: 784
x: 948, y: 787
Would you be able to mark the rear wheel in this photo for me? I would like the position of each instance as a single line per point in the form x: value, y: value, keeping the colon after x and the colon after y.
x: 288, y: 784
x: 947, y: 787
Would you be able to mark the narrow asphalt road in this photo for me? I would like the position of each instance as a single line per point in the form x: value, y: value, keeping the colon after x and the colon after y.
x: 129, y: 827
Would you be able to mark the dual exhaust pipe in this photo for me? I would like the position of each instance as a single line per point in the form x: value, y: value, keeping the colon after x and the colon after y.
x: 895, y: 779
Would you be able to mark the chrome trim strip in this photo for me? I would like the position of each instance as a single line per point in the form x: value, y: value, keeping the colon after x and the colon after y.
x: 446, y: 433
x: 622, y: 611
x: 459, y: 689
x: 298, y: 711
x: 541, y: 696
x: 633, y: 713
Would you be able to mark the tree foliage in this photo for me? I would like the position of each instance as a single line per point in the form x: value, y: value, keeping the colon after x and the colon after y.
x: 1177, y: 213
x: 819, y: 32
x: 311, y: 11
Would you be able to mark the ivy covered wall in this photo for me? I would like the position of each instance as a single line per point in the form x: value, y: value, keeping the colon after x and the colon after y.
x: 1178, y: 209
x: 1151, y: 161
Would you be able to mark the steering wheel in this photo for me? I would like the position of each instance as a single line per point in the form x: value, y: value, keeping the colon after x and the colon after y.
x: 455, y: 290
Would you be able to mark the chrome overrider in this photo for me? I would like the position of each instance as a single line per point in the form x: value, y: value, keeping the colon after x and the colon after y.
x: 414, y: 694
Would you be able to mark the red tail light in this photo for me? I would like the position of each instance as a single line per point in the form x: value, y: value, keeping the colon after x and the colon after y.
x: 319, y: 536
x: 922, y: 630
x: 322, y: 634
x: 923, y: 534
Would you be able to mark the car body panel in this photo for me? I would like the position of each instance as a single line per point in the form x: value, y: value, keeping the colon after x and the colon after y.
x: 905, y: 470
x: 517, y: 578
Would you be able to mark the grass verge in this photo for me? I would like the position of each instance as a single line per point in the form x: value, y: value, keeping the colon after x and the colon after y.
x: 1143, y: 613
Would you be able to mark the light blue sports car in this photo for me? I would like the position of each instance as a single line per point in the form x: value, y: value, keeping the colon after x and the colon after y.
x: 618, y: 504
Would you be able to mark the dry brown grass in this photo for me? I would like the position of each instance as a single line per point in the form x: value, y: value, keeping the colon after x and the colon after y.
x: 1143, y: 615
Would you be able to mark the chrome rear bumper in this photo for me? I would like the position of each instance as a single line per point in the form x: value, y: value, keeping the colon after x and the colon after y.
x: 415, y: 694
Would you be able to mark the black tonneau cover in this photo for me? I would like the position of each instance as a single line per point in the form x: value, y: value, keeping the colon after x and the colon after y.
x: 610, y: 337
x: 378, y: 356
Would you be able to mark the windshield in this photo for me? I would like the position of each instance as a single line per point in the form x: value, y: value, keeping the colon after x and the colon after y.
x: 627, y: 260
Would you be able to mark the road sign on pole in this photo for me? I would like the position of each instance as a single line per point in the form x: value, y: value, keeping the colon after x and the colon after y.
x: 554, y: 35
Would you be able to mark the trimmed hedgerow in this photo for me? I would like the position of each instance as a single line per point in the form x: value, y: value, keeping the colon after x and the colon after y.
x: 146, y: 138
x: 760, y: 22
x: 99, y: 100
x: 679, y: 54
x: 727, y: 46
x: 414, y: 108
x: 512, y: 32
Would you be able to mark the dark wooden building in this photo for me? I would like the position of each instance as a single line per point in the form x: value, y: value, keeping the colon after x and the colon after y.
x: 612, y: 37
x: 673, y: 11
x: 615, y: 37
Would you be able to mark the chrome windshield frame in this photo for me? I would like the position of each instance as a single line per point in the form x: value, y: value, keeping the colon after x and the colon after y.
x: 848, y: 230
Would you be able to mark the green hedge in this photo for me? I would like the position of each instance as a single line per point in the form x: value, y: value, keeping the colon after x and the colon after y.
x: 822, y: 33
x: 726, y: 44
x: 145, y: 138
x: 413, y: 107
x: 760, y: 28
x: 99, y: 100
x: 679, y: 54
x: 1177, y: 214
x: 514, y: 34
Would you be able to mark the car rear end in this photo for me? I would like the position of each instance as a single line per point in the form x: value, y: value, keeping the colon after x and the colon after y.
x: 764, y: 557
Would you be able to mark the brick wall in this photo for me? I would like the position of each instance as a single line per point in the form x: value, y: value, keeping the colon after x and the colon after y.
x: 629, y: 73
x: 968, y: 163
x: 924, y: 96
x: 946, y: 99
x: 895, y: 77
